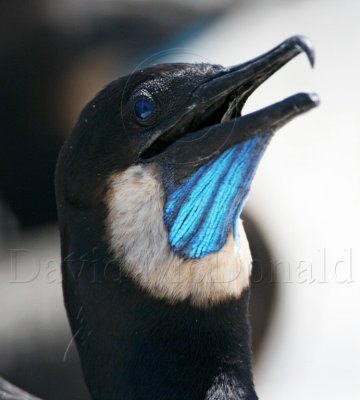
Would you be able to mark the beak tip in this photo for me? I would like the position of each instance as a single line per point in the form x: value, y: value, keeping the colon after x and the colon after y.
x: 305, y: 45
x: 301, y: 103
x: 314, y: 98
x: 305, y: 101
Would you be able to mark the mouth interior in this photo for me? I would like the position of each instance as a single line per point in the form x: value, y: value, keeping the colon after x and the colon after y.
x: 225, y: 109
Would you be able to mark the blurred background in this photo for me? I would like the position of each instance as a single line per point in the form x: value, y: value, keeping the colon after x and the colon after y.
x: 303, y: 214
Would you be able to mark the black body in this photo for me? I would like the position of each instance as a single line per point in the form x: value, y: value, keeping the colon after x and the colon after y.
x: 133, y: 346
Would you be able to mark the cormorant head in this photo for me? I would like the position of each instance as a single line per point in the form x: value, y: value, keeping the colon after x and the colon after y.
x: 168, y: 154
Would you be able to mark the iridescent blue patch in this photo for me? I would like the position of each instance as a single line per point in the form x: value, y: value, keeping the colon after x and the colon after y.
x: 200, y: 213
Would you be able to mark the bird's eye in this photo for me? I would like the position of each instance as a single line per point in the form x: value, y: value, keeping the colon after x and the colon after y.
x: 144, y: 108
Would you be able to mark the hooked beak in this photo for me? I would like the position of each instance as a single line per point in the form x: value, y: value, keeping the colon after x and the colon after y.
x: 213, y: 122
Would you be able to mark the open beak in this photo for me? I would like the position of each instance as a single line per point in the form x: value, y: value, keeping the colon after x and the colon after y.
x: 213, y: 122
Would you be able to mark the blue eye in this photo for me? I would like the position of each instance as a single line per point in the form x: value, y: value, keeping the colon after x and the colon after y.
x: 144, y: 108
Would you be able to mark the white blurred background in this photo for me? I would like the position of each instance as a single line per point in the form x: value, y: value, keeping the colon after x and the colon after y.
x: 304, y: 200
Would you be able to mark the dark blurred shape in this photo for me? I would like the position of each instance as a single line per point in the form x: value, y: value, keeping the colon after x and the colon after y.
x: 42, y: 371
x: 29, y: 69
x: 263, y: 287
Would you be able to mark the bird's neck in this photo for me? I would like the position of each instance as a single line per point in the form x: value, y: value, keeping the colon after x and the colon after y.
x: 178, y: 351
x: 135, y: 346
